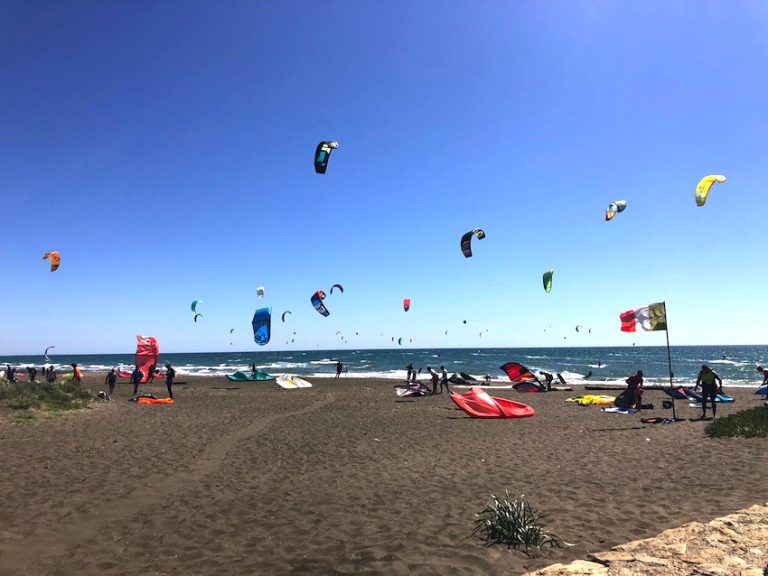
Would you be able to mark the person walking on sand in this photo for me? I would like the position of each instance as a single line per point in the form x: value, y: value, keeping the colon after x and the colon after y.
x: 110, y: 381
x: 170, y: 374
x: 444, y: 380
x: 711, y: 384
x: 136, y: 377
x: 151, y: 375
x: 339, y: 368
x: 77, y: 374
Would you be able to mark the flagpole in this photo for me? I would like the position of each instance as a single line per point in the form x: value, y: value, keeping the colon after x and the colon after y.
x: 669, y: 358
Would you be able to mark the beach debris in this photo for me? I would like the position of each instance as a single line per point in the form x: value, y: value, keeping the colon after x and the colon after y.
x: 339, y: 286
x: 614, y: 208
x: 317, y: 301
x: 466, y: 241
x: 262, y: 324
x: 283, y: 316
x: 547, y: 280
x: 323, y: 154
x: 406, y: 304
x: 55, y: 259
x: 515, y: 523
x: 704, y: 186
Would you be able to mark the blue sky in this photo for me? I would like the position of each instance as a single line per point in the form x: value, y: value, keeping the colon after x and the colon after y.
x: 165, y: 149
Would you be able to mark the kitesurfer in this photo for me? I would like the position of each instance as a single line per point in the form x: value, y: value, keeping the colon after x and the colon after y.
x: 434, y: 378
x: 547, y: 379
x: 339, y: 368
x: 110, y: 381
x: 136, y: 377
x: 408, y: 375
x: 588, y: 375
x: 151, y: 375
x: 635, y: 387
x: 707, y: 379
x: 170, y: 374
x: 444, y: 380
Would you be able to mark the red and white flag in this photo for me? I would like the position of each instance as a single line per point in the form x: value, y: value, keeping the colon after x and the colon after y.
x: 651, y: 317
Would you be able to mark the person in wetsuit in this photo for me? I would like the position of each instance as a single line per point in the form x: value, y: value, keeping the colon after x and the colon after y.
x: 547, y: 379
x: 136, y: 377
x: 435, y: 379
x: 170, y: 374
x: 110, y: 381
x: 444, y: 380
x: 708, y: 379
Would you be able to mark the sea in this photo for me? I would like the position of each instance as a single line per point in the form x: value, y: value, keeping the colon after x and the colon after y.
x: 735, y: 364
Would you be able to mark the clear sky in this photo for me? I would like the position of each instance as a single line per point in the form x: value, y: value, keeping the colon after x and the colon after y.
x: 165, y: 149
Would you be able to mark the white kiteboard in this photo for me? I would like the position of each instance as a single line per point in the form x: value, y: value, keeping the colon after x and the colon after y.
x: 289, y: 382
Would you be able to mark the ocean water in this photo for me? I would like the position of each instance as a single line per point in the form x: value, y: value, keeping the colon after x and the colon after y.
x: 735, y: 364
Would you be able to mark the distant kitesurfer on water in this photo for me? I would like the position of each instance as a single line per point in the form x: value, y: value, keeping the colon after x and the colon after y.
x: 588, y: 375
x: 599, y: 364
x: 487, y: 378
x: 708, y: 379
x: 170, y: 374
x: 547, y: 379
x: 110, y: 381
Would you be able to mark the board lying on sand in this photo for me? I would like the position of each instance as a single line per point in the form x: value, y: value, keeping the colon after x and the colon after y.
x: 762, y: 390
x: 479, y: 404
x: 290, y: 382
x: 695, y: 396
x: 257, y: 376
x: 412, y: 390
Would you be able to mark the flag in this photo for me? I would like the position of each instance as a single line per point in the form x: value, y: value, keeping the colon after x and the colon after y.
x: 651, y: 317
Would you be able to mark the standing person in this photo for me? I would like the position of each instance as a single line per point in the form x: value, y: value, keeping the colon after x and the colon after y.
x: 635, y: 388
x: 443, y: 379
x: 170, y: 374
x: 50, y: 374
x: 434, y: 378
x: 10, y: 373
x: 77, y: 374
x: 414, y: 374
x: 110, y: 381
x: 136, y: 377
x: 707, y: 379
x: 31, y: 373
x: 409, y: 368
x: 339, y: 368
x: 151, y: 375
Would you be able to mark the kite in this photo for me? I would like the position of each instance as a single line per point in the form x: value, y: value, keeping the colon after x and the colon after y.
x: 702, y: 190
x: 547, y: 279
x: 407, y: 304
x: 614, y: 208
x: 523, y: 379
x: 466, y: 241
x: 283, y: 316
x: 260, y: 292
x: 399, y: 341
x: 198, y: 315
x: 464, y: 321
x: 147, y: 353
x: 578, y: 326
x: 317, y: 301
x: 262, y: 323
x: 231, y: 330
x: 46, y: 352
x: 339, y: 286
x: 323, y: 154
x: 195, y: 303
x: 55, y: 259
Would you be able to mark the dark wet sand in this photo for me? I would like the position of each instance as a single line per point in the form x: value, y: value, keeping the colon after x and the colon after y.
x: 247, y: 478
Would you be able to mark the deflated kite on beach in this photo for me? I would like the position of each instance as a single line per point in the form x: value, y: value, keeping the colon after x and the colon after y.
x: 477, y: 403
x: 523, y: 379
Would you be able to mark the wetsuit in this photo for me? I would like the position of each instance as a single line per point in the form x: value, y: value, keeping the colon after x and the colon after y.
x: 136, y: 377
x: 444, y: 381
x: 435, y: 379
x: 170, y: 374
x: 708, y: 390
x: 111, y: 380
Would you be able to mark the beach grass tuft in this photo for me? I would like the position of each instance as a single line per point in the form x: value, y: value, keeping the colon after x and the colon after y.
x: 751, y: 423
x: 514, y: 523
x: 49, y: 396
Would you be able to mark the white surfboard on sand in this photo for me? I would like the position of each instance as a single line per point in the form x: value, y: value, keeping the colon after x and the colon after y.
x: 290, y: 382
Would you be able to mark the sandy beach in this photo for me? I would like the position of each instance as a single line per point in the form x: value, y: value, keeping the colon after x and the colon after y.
x: 344, y: 478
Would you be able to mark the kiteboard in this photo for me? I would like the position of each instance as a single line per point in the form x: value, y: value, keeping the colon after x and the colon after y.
x: 762, y: 390
x: 289, y: 382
